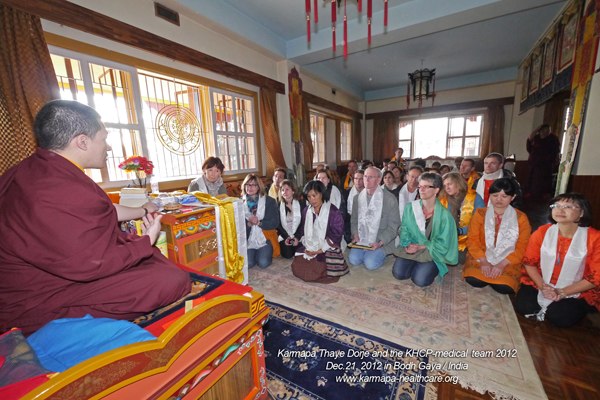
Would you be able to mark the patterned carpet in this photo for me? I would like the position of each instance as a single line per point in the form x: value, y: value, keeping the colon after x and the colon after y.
x: 470, y: 333
x: 310, y: 358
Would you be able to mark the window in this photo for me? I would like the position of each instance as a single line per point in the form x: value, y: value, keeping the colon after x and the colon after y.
x: 317, y: 136
x: 234, y: 130
x: 175, y: 123
x: 446, y: 137
x: 345, y: 140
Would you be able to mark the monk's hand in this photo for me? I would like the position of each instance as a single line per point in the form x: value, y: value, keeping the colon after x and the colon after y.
x: 151, y: 226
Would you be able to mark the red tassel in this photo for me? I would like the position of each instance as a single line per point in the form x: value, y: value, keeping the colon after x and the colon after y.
x: 359, y: 6
x: 345, y: 32
x: 333, y: 19
x: 316, y: 12
x: 385, y: 12
x: 369, y: 15
x: 307, y: 8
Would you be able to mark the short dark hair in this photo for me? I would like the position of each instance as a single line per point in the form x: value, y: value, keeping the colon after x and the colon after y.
x: 582, y: 202
x: 213, y: 162
x: 59, y: 121
x: 417, y: 167
x: 470, y: 160
x: 509, y: 185
x: 318, y: 187
x: 435, y: 179
x: 388, y: 172
x: 497, y: 156
x: 279, y: 169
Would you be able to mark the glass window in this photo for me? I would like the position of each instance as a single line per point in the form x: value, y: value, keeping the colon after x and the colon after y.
x: 175, y: 123
x: 317, y: 136
x: 445, y: 137
x: 345, y: 140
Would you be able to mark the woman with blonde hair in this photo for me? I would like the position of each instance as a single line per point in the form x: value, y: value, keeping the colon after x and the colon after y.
x: 261, y: 214
x: 461, y: 202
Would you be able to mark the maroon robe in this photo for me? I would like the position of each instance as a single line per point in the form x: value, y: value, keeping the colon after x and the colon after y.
x: 63, y: 254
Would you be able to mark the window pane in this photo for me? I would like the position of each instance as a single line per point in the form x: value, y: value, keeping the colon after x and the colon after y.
x: 455, y: 147
x: 471, y: 147
x: 112, y: 94
x: 69, y: 77
x: 174, y: 125
x: 430, y: 137
x: 405, y: 131
x: 406, y: 147
x: 456, y: 126
x: 345, y: 141
x: 247, y: 156
x: 473, y: 125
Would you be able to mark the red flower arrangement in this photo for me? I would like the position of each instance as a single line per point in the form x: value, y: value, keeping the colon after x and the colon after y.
x: 140, y: 166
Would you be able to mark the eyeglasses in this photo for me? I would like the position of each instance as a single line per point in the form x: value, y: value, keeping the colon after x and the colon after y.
x: 425, y: 187
x: 564, y: 206
x: 371, y: 177
x: 251, y: 184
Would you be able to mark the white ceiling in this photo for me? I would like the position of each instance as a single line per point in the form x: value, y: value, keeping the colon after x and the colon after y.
x: 468, y: 42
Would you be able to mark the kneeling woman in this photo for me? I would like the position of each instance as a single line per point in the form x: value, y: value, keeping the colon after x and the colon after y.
x: 428, y: 238
x: 290, y: 216
x: 562, y: 262
x: 261, y: 214
x: 319, y: 257
x: 496, y: 241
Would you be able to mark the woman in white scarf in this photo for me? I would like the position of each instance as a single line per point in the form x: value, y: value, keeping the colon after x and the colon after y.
x: 335, y: 196
x: 261, y: 214
x: 496, y: 241
x: 319, y: 257
x: 210, y: 181
x: 290, y: 216
x: 562, y: 262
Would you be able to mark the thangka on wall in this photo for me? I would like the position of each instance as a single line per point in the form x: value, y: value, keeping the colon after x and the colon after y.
x: 568, y: 42
x: 295, y: 98
x: 548, y: 68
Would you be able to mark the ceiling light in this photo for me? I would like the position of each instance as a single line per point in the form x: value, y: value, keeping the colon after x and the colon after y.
x: 422, y: 85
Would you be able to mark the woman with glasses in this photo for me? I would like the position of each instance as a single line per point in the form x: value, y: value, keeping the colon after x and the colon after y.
x: 496, y: 241
x: 210, y: 181
x: 428, y: 241
x: 290, y: 216
x: 461, y: 202
x: 319, y: 257
x: 562, y: 265
x: 261, y: 214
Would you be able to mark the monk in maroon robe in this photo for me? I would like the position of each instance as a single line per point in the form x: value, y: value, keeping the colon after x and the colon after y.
x: 62, y: 252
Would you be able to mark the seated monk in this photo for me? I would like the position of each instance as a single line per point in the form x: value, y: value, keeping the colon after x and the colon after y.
x: 496, y: 241
x: 63, y: 254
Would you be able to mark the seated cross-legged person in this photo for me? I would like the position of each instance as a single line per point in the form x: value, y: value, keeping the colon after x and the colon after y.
x: 210, y: 181
x: 374, y: 222
x: 290, y: 216
x: 496, y: 241
x: 62, y: 253
x: 562, y: 265
x: 461, y: 202
x: 319, y: 256
x: 428, y: 238
x: 261, y: 214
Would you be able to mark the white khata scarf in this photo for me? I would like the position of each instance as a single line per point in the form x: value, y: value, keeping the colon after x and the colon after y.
x: 417, y: 209
x: 353, y: 192
x: 296, y: 217
x: 335, y: 197
x: 315, y: 231
x: 369, y: 215
x: 480, y: 189
x: 257, y: 238
x: 406, y: 197
x: 572, y: 267
x: 205, y: 186
x: 497, y: 249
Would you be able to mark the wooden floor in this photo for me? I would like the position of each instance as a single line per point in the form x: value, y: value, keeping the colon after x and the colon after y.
x: 567, y: 360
